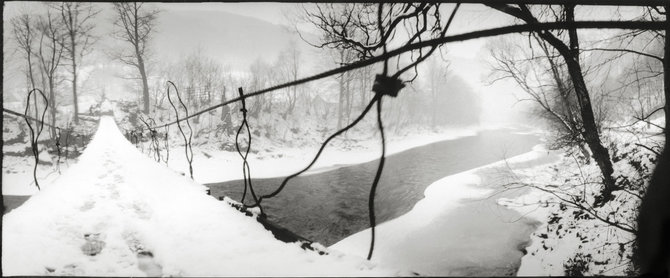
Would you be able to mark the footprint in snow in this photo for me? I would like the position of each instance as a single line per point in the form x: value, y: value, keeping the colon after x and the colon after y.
x: 87, y: 206
x: 94, y: 244
x: 146, y: 263
x: 145, y: 258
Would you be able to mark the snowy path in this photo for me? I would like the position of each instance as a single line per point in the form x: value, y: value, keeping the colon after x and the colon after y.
x: 116, y: 212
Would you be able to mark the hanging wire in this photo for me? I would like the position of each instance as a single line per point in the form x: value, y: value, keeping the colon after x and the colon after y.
x: 34, y: 136
x: 187, y: 142
x: 14, y: 113
x: 380, y: 167
x: 246, y: 171
x: 384, y: 85
x: 318, y: 154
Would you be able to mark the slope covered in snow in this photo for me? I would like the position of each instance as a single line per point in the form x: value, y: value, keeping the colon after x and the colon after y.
x: 117, y: 212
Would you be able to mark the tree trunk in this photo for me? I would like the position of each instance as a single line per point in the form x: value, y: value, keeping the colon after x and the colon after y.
x: 74, y: 85
x: 653, y: 246
x: 666, y: 76
x: 52, y: 103
x: 31, y: 78
x: 341, y: 96
x: 570, y: 54
x: 349, y: 96
x: 224, y: 109
x: 364, y: 87
x: 340, y: 102
x: 590, y: 130
x: 225, y: 114
x: 145, y: 84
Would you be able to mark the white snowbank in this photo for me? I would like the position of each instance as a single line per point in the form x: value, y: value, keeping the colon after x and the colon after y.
x: 426, y: 239
x: 560, y: 239
x: 17, y: 173
x: 220, y: 166
x: 117, y: 202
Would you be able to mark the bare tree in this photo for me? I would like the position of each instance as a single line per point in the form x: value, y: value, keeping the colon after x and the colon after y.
x: 652, y: 254
x: 260, y: 77
x: 570, y: 53
x: 50, y: 52
x: 135, y: 25
x: 363, y: 30
x: 77, y: 20
x: 344, y: 95
x: 288, y: 67
x: 542, y: 77
x: 437, y: 76
x: 24, y: 33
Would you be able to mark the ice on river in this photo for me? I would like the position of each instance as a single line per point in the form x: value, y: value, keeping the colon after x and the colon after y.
x: 442, y: 235
x: 117, y: 212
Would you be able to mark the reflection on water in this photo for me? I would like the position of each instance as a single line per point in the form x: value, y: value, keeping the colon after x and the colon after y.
x: 329, y: 206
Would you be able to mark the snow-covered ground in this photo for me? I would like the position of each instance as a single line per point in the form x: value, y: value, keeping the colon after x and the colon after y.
x: 211, y: 166
x: 431, y: 240
x: 567, y: 238
x: 117, y: 212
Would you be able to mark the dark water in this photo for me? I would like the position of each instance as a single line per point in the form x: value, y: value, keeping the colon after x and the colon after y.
x: 329, y: 206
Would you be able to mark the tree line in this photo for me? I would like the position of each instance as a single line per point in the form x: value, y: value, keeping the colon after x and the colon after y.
x: 54, y: 42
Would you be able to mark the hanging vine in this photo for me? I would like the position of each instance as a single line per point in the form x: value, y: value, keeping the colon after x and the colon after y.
x: 188, y: 150
x: 246, y: 171
x: 153, y: 135
x: 35, y: 135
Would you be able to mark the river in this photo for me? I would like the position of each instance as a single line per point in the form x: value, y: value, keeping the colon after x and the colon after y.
x: 329, y: 206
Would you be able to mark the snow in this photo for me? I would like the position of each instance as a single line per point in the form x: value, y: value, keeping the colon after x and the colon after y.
x: 17, y: 174
x: 120, y: 205
x: 283, y: 161
x: 608, y: 247
x: 432, y: 229
x: 106, y: 106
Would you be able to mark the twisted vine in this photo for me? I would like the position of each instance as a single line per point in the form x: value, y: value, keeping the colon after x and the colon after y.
x: 188, y: 150
x: 246, y: 171
x: 35, y: 135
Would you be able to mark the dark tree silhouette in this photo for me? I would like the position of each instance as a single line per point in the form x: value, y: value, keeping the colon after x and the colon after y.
x: 570, y: 53
x: 50, y: 52
x: 77, y: 20
x: 24, y: 33
x: 135, y: 25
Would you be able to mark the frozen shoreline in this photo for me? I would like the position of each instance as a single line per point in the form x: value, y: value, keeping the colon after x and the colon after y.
x: 441, y: 226
x: 211, y: 165
x: 221, y: 166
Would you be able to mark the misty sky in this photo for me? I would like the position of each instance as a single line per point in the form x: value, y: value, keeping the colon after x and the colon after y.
x: 179, y: 35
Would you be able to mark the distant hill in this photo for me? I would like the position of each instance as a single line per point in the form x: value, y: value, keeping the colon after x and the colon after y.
x: 232, y: 39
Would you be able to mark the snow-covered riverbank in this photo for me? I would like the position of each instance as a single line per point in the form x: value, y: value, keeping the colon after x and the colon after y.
x: 458, y: 228
x: 446, y: 199
x: 114, y: 213
x: 212, y: 165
